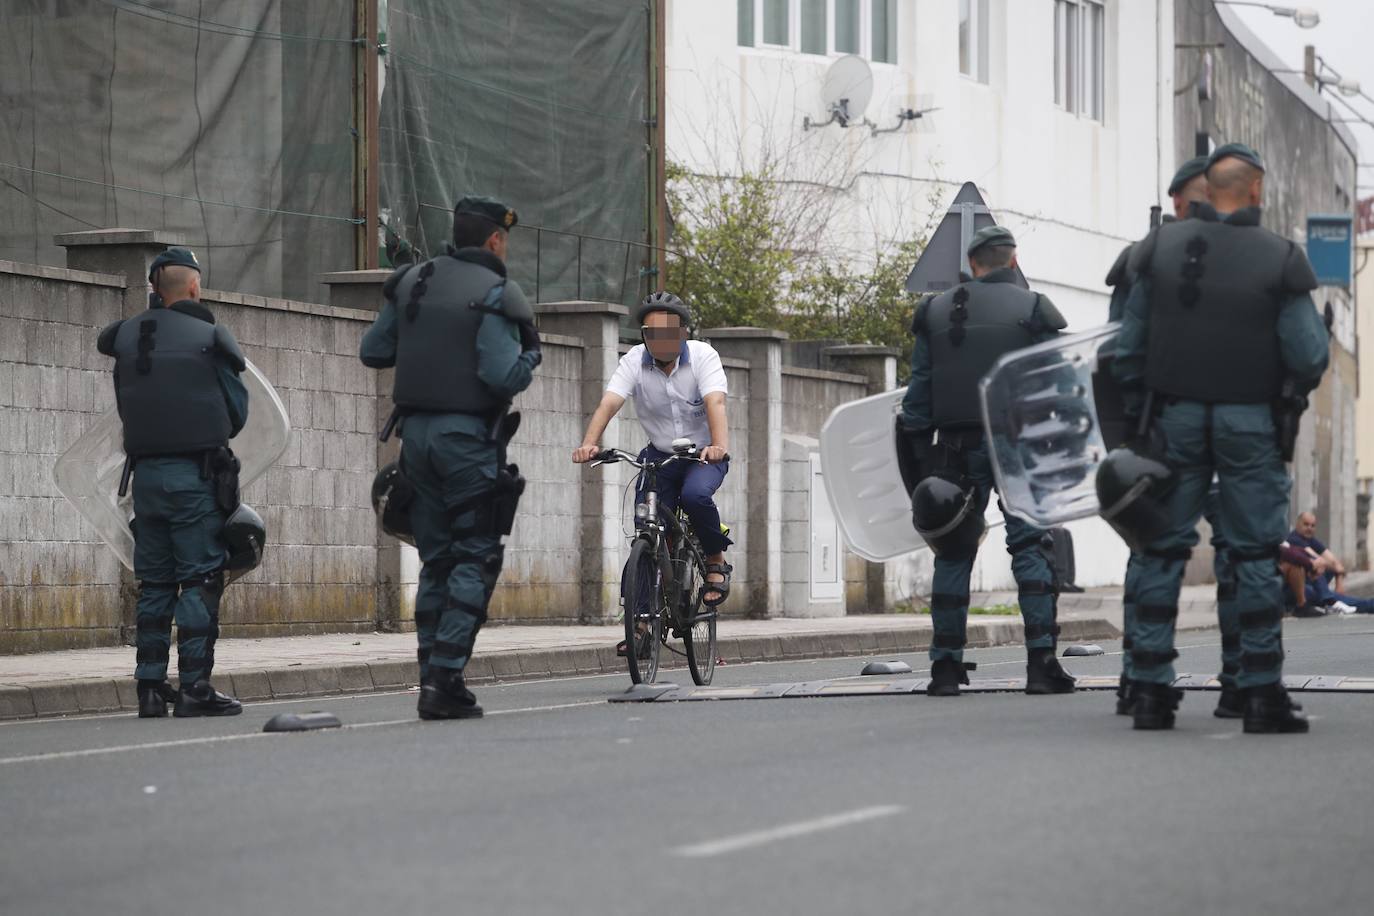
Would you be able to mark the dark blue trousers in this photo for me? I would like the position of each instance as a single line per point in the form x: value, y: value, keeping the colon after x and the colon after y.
x: 693, y: 486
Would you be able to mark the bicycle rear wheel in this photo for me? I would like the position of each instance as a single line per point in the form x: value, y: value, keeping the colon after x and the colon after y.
x: 700, y: 638
x: 644, y: 611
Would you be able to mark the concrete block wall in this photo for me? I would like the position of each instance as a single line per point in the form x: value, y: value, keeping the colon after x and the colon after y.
x: 59, y: 584
x: 319, y: 571
x: 327, y: 567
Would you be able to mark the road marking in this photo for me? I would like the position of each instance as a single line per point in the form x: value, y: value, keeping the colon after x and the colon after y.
x: 786, y: 832
x: 216, y: 739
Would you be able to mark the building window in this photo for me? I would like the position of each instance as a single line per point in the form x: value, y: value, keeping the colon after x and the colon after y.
x: 973, y: 39
x: 864, y: 27
x: 777, y: 28
x: 884, y: 31
x: 1080, y: 57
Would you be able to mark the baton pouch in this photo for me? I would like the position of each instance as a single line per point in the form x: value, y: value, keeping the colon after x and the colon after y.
x: 509, y: 487
x: 224, y: 474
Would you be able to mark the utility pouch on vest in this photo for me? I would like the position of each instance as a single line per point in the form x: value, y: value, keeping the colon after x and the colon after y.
x: 224, y: 472
x: 1287, y: 410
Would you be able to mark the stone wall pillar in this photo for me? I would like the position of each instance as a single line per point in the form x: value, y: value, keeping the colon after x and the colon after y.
x: 878, y: 364
x: 362, y: 289
x: 762, y: 349
x: 597, y: 325
x: 127, y: 253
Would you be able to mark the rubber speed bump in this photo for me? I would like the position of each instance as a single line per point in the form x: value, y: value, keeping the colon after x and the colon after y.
x: 301, y: 722
x: 893, y: 666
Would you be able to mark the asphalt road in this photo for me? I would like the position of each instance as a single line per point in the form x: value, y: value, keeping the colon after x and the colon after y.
x: 559, y: 802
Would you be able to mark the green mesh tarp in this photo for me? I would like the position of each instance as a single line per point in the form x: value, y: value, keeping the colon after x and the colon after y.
x: 544, y: 105
x: 226, y: 121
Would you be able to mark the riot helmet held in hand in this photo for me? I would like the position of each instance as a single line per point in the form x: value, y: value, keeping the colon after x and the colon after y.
x: 392, y: 495
x: 1132, y: 486
x: 946, y: 516
x: 245, y: 536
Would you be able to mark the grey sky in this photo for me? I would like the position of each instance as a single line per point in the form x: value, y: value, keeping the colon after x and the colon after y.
x: 1343, y: 40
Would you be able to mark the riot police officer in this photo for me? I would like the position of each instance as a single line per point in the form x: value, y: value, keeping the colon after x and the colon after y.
x: 1189, y: 186
x: 180, y: 398
x: 461, y: 336
x: 1217, y: 327
x: 960, y: 333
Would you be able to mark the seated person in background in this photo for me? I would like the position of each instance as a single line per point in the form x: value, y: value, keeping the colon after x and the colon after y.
x: 1323, y: 573
x: 1295, y: 565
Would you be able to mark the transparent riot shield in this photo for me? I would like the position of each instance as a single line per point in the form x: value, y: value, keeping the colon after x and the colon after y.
x: 88, y: 473
x: 1040, y: 414
x: 859, y: 463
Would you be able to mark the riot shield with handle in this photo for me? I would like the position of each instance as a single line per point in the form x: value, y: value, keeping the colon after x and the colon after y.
x: 1044, y: 428
x: 88, y: 474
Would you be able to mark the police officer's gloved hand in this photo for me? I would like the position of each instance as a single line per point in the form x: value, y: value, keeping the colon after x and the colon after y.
x: 529, y: 337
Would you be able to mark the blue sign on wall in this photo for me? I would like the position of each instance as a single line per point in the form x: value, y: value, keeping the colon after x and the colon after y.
x: 1329, y: 249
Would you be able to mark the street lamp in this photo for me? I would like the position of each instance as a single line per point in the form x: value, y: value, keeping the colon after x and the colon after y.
x: 1304, y: 16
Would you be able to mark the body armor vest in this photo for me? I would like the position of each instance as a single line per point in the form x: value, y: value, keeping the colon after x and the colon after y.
x: 1215, y: 293
x: 436, y: 329
x: 167, y: 385
x: 969, y: 328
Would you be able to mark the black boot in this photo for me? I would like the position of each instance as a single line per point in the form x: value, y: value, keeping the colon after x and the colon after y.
x: 1153, y: 705
x: 447, y: 697
x: 945, y: 677
x: 153, y: 697
x: 1123, y: 696
x: 200, y: 699
x: 1231, y: 704
x: 1044, y: 674
x: 1268, y: 710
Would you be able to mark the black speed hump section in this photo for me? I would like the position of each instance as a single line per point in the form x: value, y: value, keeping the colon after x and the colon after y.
x: 944, y: 263
x: 301, y: 722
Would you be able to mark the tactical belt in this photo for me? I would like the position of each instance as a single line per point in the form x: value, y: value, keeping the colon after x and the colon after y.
x: 1156, y: 613
x: 1251, y: 556
x: 1174, y: 553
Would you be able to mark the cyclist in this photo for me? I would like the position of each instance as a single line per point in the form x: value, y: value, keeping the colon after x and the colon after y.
x: 679, y: 389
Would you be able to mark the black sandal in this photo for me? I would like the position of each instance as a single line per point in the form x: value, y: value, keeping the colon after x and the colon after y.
x: 722, y: 588
x: 644, y: 646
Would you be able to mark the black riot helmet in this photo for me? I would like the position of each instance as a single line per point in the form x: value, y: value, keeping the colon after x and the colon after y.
x: 1132, y: 485
x: 946, y: 516
x: 245, y: 536
x: 392, y: 495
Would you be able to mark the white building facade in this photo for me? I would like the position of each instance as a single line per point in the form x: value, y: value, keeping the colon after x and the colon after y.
x: 1060, y: 111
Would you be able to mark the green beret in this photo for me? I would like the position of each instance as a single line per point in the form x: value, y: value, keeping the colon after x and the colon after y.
x: 1239, y: 151
x: 180, y: 257
x: 991, y: 236
x: 489, y: 209
x: 1186, y: 173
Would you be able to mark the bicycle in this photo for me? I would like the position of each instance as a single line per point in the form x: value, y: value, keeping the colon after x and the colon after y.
x: 664, y: 581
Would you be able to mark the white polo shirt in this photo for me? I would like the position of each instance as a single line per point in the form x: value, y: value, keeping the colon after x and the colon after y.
x: 671, y: 406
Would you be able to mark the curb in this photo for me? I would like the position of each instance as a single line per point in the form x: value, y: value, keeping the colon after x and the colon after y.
x: 97, y: 695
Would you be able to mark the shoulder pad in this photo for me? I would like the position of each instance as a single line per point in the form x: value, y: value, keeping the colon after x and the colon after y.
x: 514, y: 303
x: 1297, y: 271
x: 389, y: 287
x: 1119, y: 272
x: 1142, y: 252
x: 918, y: 318
x: 228, y: 347
x: 105, y: 342
x: 1045, y: 312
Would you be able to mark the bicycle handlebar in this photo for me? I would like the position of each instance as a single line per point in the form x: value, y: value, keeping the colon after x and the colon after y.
x: 613, y: 455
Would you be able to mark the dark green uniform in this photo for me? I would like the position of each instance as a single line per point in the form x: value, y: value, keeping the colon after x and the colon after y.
x: 180, y: 398
x: 959, y: 335
x: 1219, y: 317
x: 451, y: 327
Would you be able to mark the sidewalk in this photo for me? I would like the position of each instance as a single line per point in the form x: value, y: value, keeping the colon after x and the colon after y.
x: 100, y: 680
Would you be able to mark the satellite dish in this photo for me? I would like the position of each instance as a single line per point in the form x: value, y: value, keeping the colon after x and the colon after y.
x: 847, y: 89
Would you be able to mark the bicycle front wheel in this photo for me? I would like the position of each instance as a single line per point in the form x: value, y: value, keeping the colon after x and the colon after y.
x: 700, y: 641
x: 644, y: 611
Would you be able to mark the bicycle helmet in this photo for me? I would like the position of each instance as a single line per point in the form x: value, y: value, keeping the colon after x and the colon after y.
x: 663, y: 302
